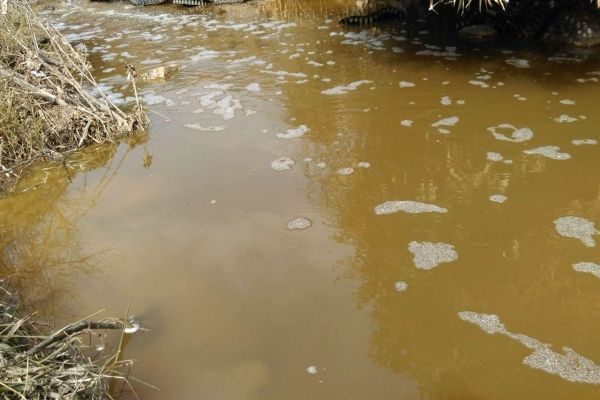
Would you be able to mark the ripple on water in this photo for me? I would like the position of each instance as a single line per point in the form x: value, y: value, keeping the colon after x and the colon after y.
x: 299, y: 223
x: 589, y: 267
x: 577, y: 228
x: 570, y: 366
x: 282, y: 164
x: 549, y: 152
x: 517, y: 135
x: 428, y: 255
x: 407, y: 206
x: 294, y: 132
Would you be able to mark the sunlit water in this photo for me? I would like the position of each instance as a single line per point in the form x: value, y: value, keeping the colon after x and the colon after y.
x: 327, y: 213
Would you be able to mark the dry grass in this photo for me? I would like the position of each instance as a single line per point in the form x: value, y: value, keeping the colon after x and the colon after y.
x: 38, y: 366
x: 46, y: 105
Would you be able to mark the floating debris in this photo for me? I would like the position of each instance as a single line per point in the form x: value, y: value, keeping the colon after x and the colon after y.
x: 492, y: 156
x: 550, y: 152
x: 299, y: 224
x: 577, y: 228
x: 345, y: 89
x: 428, y: 255
x: 498, y: 198
x: 282, y: 164
x: 589, y: 267
x: 401, y: 286
x: 450, y: 121
x: 407, y: 206
x: 518, y: 134
x: 581, y: 142
x: 293, y: 133
x: 570, y: 366
x: 345, y: 171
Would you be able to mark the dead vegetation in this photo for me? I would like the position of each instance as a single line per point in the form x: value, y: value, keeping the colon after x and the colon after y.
x: 34, y: 365
x: 50, y: 103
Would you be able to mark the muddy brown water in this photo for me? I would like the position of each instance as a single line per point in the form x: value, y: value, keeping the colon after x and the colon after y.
x: 398, y: 147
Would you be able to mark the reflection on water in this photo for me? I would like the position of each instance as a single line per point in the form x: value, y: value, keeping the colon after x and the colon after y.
x: 305, y: 180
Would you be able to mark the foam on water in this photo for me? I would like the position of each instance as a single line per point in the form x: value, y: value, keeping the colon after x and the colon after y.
x: 550, y: 152
x: 345, y: 171
x: 282, y: 164
x: 299, y: 224
x: 344, y: 89
x: 294, y: 132
x: 407, y: 206
x: 493, y: 156
x: 517, y: 135
x: 498, y: 198
x: 518, y: 62
x: 428, y: 255
x: 589, y: 267
x: 450, y: 121
x: 406, y: 84
x: 198, y: 127
x: 564, y: 118
x: 401, y: 286
x: 363, y: 164
x: 570, y: 366
x: 581, y: 142
x: 577, y: 228
x: 406, y: 122
x: 253, y: 87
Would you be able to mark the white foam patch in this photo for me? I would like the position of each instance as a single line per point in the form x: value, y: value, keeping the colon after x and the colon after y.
x: 564, y: 118
x: 450, y: 121
x: 577, y: 228
x: 582, y: 142
x: 518, y: 62
x: 282, y: 164
x: 407, y: 206
x: 428, y: 255
x: 226, y: 107
x: 345, y: 171
x: 406, y: 84
x: 198, y: 127
x: 517, y: 135
x: 294, y: 132
x: 406, y: 122
x: 493, y: 156
x: 344, y: 89
x: 401, y: 286
x: 567, y: 102
x: 481, y: 84
x: 549, y: 152
x: 299, y: 223
x: 498, y: 198
x: 588, y: 267
x: 446, y: 101
x: 363, y: 164
x: 253, y: 87
x: 570, y: 366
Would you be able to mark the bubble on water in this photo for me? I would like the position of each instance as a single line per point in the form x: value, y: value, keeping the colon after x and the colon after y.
x: 401, y: 286
x: 311, y: 370
x: 428, y: 255
x: 406, y: 84
x: 498, y: 198
x: 450, y: 121
x: 344, y: 89
x: 131, y: 328
x: 299, y: 223
x: 198, y: 127
x: 406, y: 122
x: 550, y: 152
x: 589, y: 267
x: 493, y: 156
x: 570, y: 366
x: 253, y: 87
x: 407, y: 206
x: 564, y: 118
x: 517, y: 135
x: 581, y: 142
x: 282, y: 164
x: 345, y: 171
x: 364, y: 164
x: 294, y: 132
x: 577, y: 228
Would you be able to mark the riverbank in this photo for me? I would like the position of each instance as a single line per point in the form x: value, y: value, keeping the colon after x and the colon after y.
x: 50, y: 104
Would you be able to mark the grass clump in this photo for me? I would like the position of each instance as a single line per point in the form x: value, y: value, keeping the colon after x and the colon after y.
x: 50, y: 103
